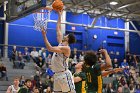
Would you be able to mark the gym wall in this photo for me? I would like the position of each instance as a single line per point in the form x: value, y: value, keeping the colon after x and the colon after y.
x: 21, y: 32
x: 134, y: 40
x: 113, y: 42
x: 1, y: 28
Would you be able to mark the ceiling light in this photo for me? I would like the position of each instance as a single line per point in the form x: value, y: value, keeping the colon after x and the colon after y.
x: 113, y: 3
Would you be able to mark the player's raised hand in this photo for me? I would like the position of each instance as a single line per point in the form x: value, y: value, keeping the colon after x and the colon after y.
x: 60, y: 12
x: 43, y: 31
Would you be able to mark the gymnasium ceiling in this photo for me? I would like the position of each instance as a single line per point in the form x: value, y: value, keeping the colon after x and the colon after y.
x: 126, y: 9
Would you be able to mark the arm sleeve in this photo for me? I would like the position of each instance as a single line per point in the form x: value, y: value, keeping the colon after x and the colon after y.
x: 82, y: 75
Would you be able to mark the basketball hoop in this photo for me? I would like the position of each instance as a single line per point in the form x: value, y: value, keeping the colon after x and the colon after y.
x: 41, y: 19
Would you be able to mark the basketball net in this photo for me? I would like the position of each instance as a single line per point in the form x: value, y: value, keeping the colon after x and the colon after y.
x: 41, y: 19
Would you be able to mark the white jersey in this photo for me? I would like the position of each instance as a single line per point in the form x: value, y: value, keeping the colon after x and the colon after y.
x: 13, y: 90
x: 59, y: 62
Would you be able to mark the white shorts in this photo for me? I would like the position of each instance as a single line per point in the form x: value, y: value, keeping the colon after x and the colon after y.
x: 63, y: 82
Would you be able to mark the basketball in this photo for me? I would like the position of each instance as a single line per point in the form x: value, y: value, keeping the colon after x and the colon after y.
x: 57, y: 5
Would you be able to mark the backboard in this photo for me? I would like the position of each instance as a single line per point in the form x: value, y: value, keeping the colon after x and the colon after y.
x: 19, y: 8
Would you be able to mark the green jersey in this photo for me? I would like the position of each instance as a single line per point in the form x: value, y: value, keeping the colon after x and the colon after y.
x: 80, y: 87
x: 23, y: 90
x: 94, y: 79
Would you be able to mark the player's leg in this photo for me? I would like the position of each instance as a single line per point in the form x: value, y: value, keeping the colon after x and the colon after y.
x: 67, y: 84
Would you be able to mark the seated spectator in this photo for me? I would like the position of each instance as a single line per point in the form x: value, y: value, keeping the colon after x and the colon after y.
x: 15, y: 87
x: 129, y: 57
x: 43, y: 54
x: 22, y: 81
x: 48, y: 60
x: 125, y: 65
x: 21, y: 61
x: 81, y: 57
x: 40, y: 65
x: 26, y: 55
x: 26, y: 87
x: 115, y: 63
x: 3, y: 70
x: 34, y: 55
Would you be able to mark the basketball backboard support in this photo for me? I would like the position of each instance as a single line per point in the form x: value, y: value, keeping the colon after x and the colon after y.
x: 20, y: 8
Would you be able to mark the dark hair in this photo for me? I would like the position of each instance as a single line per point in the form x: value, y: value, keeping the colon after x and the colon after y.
x: 72, y: 38
x: 90, y: 58
x: 27, y: 80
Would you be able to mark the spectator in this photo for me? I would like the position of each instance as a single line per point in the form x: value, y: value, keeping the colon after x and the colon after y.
x: 125, y: 65
x: 48, y: 84
x: 115, y: 63
x: 48, y: 90
x: 37, y: 78
x: 22, y: 81
x: 116, y: 83
x: 39, y: 85
x: 26, y: 87
x: 81, y: 57
x: 119, y: 88
x: 2, y: 70
x: 40, y: 65
x: 125, y: 89
x: 36, y: 90
x: 100, y: 60
x: 34, y: 55
x: 132, y: 89
x: 48, y: 60
x: 14, y: 56
x: 110, y: 88
x: 21, y: 61
x: 42, y: 53
x: 122, y: 80
x: 138, y: 78
x: 129, y: 58
x: 15, y: 87
x: 26, y: 55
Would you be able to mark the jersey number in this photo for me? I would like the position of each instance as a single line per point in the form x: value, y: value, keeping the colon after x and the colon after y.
x: 89, y: 77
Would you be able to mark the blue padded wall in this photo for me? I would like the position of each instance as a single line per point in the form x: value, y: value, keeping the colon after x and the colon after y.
x: 134, y: 40
x: 21, y: 32
x: 113, y: 43
x: 1, y: 27
x: 24, y: 34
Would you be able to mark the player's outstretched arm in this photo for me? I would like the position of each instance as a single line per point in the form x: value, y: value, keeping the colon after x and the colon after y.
x: 56, y: 49
x: 58, y: 28
x: 106, y: 73
x: 108, y: 63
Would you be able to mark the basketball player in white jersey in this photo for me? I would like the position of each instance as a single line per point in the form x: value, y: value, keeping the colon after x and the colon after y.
x: 63, y: 81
